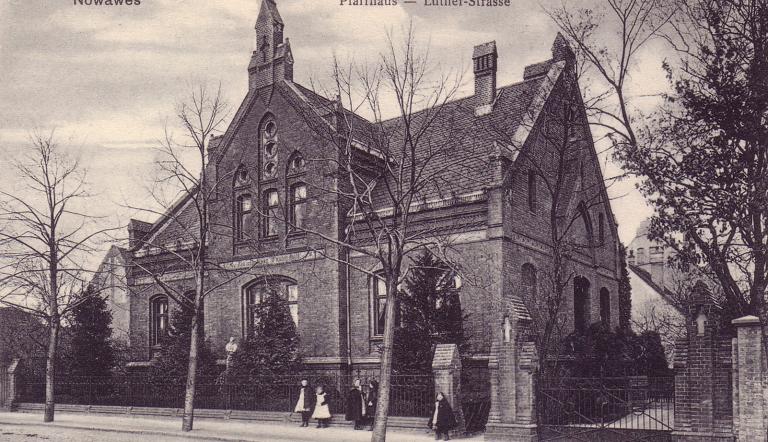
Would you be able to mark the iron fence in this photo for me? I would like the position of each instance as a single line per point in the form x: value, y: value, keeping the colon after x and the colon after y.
x: 4, y: 385
x: 410, y: 395
x: 628, y: 403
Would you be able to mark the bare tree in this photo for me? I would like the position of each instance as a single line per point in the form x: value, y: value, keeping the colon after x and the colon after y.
x: 381, y: 172
x: 184, y: 172
x: 555, y: 171
x: 46, y: 236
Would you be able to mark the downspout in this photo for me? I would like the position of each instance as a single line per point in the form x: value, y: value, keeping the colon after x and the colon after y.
x: 347, y: 285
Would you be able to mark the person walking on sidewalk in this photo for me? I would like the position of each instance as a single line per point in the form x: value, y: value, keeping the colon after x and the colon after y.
x: 322, y: 408
x: 442, y: 420
x: 356, y: 405
x: 370, y: 402
x: 305, y: 403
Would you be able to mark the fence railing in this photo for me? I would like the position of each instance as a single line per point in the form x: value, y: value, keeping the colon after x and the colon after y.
x: 4, y: 387
x: 637, y: 403
x: 410, y: 395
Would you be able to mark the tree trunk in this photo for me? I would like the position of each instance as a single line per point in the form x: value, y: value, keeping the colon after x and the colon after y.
x: 382, y: 405
x: 189, y: 396
x: 53, y: 328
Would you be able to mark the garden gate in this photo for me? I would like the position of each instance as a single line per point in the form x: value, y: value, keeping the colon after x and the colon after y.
x: 606, y: 409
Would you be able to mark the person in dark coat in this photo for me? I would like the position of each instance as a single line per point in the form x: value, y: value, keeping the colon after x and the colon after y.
x: 370, y: 401
x: 305, y: 403
x: 356, y: 405
x: 442, y: 420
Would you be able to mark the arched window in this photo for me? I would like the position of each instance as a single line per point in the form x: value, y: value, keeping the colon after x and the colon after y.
x: 158, y: 319
x: 605, y: 306
x: 243, y: 208
x: 271, y: 210
x: 378, y: 289
x: 580, y: 304
x: 298, y: 203
x: 532, y: 196
x: 296, y: 164
x: 528, y: 280
x: 256, y: 293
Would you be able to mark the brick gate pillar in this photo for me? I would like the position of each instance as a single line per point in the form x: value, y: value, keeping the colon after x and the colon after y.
x: 703, y: 373
x: 446, y: 370
x: 512, y: 368
x: 14, y: 379
x: 750, y: 403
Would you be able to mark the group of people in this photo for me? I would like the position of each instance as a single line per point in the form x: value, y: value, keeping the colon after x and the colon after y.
x: 361, y: 408
x: 361, y: 405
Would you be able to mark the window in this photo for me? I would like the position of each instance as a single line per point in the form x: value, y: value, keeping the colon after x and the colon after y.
x: 532, y: 190
x: 379, y: 301
x: 580, y: 304
x: 298, y: 205
x: 271, y: 212
x: 601, y: 227
x: 243, y: 207
x: 158, y: 325
x: 269, y: 137
x: 296, y: 164
x: 641, y: 255
x: 293, y: 302
x: 256, y: 293
x: 605, y: 306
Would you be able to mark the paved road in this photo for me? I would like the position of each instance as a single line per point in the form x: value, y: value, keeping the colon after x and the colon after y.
x: 13, y: 433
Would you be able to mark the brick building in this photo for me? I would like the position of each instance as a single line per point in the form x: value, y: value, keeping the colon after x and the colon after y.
x: 271, y: 152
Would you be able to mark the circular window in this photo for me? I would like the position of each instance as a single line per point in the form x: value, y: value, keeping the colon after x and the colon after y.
x: 298, y: 163
x: 270, y: 169
x: 270, y: 149
x: 270, y: 129
x: 242, y: 175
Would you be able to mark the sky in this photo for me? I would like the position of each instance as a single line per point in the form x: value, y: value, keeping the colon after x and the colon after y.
x: 106, y: 77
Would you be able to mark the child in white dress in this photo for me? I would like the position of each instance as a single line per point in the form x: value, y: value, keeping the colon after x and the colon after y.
x: 322, y: 410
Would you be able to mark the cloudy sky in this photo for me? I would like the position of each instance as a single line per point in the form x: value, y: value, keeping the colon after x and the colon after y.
x: 106, y: 77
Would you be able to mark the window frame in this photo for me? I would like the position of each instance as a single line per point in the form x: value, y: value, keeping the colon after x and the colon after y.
x: 294, y: 204
x: 158, y: 319
x: 258, y: 286
x: 270, y: 211
x: 375, y: 283
x: 241, y: 215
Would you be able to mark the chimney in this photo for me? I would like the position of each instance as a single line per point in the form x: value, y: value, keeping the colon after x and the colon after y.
x: 137, y: 231
x: 484, y: 60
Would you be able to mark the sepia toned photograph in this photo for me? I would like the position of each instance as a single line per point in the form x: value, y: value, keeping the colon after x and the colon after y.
x: 371, y: 220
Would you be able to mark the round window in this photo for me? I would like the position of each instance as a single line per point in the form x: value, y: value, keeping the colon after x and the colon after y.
x: 243, y: 175
x: 270, y: 169
x: 270, y: 129
x: 270, y: 149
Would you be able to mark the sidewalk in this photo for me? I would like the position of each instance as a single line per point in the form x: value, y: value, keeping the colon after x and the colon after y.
x: 206, y: 429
